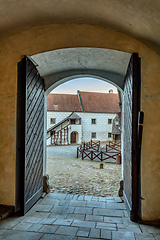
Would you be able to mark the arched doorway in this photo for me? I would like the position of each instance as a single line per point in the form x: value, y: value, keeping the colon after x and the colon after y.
x: 114, y: 73
x: 73, y: 137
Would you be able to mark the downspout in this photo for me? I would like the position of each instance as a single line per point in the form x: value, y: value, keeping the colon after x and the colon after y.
x: 79, y: 97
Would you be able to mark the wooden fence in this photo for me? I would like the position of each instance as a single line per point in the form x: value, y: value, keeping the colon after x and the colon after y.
x: 93, y: 151
x: 95, y: 145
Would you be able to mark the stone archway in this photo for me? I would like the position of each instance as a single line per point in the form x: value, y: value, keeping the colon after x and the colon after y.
x: 113, y: 70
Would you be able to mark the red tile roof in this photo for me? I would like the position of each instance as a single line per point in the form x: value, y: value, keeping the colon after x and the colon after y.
x: 63, y: 103
x: 92, y: 102
x: 100, y: 102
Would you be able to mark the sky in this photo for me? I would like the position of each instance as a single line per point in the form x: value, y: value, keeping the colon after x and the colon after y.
x: 86, y: 84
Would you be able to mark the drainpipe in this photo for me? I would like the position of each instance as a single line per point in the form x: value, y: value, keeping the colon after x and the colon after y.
x: 79, y: 97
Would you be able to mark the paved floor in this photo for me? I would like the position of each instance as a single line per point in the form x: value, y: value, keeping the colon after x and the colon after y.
x: 60, y: 216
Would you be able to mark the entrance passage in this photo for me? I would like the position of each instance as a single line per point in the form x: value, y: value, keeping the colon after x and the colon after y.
x: 73, y: 137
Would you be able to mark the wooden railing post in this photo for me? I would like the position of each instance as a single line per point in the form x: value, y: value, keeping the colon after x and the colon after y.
x: 91, y: 155
x: 101, y: 156
x: 77, y: 152
x: 82, y: 153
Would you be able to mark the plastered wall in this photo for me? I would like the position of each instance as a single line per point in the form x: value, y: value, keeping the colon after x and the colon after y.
x: 52, y: 37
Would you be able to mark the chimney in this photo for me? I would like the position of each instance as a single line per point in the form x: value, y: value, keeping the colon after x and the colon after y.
x: 110, y: 91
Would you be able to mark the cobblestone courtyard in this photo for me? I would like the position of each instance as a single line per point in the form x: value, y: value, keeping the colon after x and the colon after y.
x: 71, y: 175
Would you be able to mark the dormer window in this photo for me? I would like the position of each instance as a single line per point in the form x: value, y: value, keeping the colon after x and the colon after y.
x: 73, y: 121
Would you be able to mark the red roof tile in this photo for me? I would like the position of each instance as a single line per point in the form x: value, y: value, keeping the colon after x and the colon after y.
x: 92, y: 102
x: 100, y: 102
x: 63, y: 103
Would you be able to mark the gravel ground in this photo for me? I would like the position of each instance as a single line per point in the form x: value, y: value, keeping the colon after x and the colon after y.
x: 71, y: 175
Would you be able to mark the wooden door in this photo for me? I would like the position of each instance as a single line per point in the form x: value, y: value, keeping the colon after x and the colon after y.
x: 30, y: 134
x: 131, y: 109
x: 73, y: 137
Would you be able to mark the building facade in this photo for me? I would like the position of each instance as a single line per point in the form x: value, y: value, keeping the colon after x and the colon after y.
x: 93, y: 120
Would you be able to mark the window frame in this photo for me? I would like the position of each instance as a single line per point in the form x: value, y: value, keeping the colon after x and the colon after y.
x: 92, y: 134
x: 51, y: 120
x: 110, y: 134
x: 109, y: 120
x: 92, y: 121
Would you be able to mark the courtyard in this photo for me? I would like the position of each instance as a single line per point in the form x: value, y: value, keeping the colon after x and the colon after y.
x: 69, y: 174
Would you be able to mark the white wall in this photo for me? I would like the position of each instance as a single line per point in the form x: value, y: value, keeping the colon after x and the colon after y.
x: 58, y: 115
x: 101, y: 127
x: 76, y: 128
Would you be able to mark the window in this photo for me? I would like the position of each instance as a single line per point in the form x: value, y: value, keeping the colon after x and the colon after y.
x: 110, y: 121
x: 93, y: 121
x: 109, y: 135
x: 53, y: 120
x: 93, y: 135
x: 73, y: 121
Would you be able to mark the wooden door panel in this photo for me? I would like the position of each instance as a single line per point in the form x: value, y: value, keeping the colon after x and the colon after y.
x: 131, y: 109
x: 32, y: 133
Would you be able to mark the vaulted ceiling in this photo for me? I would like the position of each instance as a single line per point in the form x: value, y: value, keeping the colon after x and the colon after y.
x: 137, y: 18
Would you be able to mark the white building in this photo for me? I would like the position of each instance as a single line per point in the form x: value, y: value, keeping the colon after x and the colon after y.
x: 81, y: 117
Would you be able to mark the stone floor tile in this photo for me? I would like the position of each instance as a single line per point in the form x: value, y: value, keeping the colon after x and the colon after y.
x: 80, y: 198
x: 96, y: 199
x: 113, y: 220
x: 106, y: 234
x: 142, y: 236
x: 110, y: 226
x: 75, y: 197
x: 42, y: 207
x: 102, y: 199
x: 32, y: 220
x: 2, y: 231
x: 83, y: 238
x: 77, y: 203
x: 64, y: 202
x: 83, y: 210
x: 75, y: 216
x: 50, y: 201
x: 63, y: 222
x: 22, y: 226
x: 120, y: 235
x: 41, y: 215
x: 115, y: 206
x: 8, y: 224
x: 117, y: 199
x: 108, y: 212
x: 129, y: 227
x: 47, y: 221
x: 126, y: 213
x: 35, y: 227
x: 96, y: 204
x: 58, y: 216
x: 94, y: 233
x: 94, y: 218
x: 83, y: 232
x: 65, y: 230
x: 150, y: 229
x: 86, y: 224
x: 110, y: 201
x: 110, y: 198
x: 20, y: 235
x: 88, y: 198
x: 48, y: 228
x: 57, y: 237
x: 63, y: 210
x: 156, y: 236
x: 58, y: 196
x: 69, y: 197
